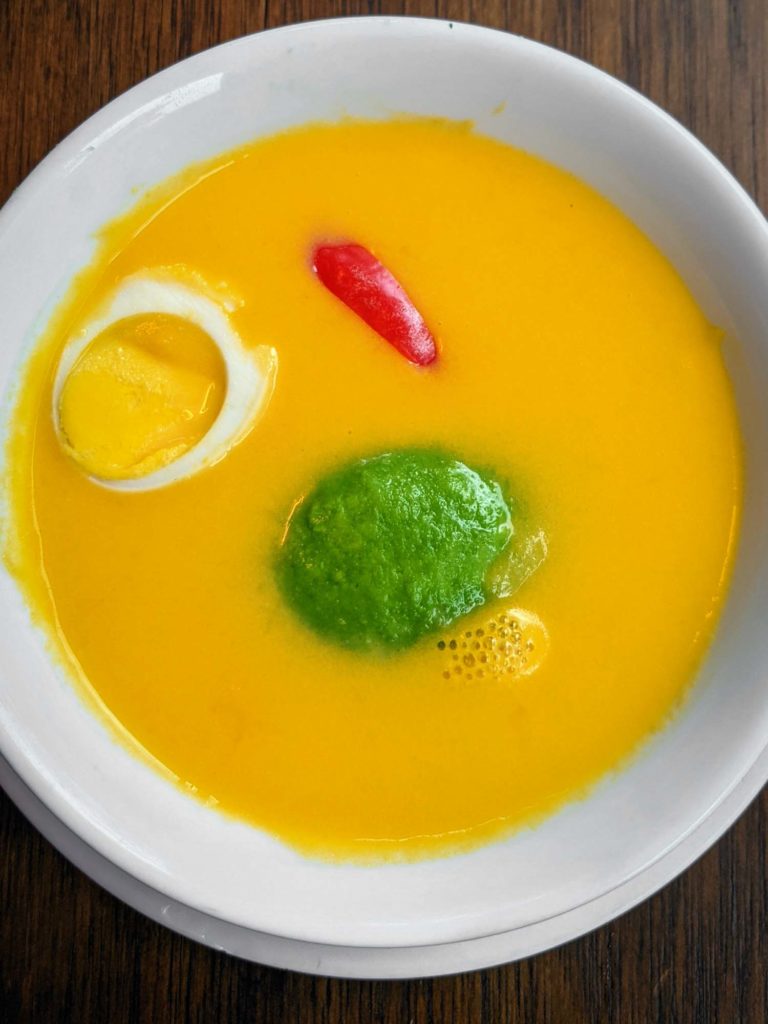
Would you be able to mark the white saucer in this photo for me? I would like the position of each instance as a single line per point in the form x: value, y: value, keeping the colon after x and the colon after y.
x: 219, y: 880
x: 371, y: 962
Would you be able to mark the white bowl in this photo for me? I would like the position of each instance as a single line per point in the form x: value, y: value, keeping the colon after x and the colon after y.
x: 694, y: 778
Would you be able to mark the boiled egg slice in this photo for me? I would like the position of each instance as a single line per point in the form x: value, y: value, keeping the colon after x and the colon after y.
x: 158, y: 385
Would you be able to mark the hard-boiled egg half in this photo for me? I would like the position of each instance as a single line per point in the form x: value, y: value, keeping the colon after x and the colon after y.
x: 158, y: 385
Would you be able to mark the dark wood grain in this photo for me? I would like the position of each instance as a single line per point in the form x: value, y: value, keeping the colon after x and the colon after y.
x: 696, y: 952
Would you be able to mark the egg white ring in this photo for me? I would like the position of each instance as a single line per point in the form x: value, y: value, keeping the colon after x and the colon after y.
x: 250, y: 373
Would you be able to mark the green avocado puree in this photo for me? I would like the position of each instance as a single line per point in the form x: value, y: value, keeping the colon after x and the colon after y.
x: 387, y: 549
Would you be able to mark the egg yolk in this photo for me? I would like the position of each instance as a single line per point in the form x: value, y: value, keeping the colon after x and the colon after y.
x: 143, y: 393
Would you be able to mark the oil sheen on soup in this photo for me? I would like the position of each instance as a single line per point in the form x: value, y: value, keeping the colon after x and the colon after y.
x: 396, y: 601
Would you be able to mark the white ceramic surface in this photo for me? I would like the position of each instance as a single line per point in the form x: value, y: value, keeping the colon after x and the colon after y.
x: 633, y: 828
x: 371, y: 961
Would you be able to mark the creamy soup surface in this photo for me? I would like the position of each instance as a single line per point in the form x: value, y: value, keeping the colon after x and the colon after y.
x: 573, y: 364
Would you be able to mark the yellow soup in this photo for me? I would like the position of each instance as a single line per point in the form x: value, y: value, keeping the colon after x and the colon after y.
x: 572, y: 361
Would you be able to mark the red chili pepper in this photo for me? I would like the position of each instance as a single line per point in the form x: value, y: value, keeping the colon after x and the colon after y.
x: 356, y: 277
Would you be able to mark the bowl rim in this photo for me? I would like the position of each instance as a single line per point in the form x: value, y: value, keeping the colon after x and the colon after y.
x: 126, y: 105
x: 369, y: 962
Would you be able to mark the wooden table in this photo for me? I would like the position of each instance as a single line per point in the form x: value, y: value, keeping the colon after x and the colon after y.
x: 696, y: 952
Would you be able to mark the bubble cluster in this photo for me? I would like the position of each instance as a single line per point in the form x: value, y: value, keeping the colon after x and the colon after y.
x: 511, y: 644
